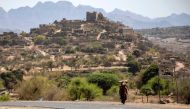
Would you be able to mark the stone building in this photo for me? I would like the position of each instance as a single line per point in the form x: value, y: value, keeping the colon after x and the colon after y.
x: 94, y: 16
x: 127, y: 31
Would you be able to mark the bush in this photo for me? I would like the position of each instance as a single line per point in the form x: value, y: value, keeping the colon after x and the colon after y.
x: 113, y: 91
x: 80, y: 88
x: 10, y: 79
x: 54, y: 94
x: 75, y: 87
x: 39, y: 39
x: 136, y: 53
x: 91, y: 91
x: 62, y: 41
x: 4, y: 97
x: 130, y: 58
x: 37, y: 88
x: 163, y: 84
x: 70, y: 50
x: 50, y: 65
x: 62, y: 81
x: 103, y: 80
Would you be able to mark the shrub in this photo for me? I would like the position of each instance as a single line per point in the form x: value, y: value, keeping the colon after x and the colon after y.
x: 113, y: 91
x: 80, y: 88
x: 70, y: 50
x: 37, y: 88
x: 130, y: 58
x: 4, y: 97
x: 90, y: 91
x: 54, y: 94
x: 75, y: 87
x: 50, y: 65
x: 62, y: 81
x: 103, y: 80
x: 136, y: 53
x: 62, y: 41
x: 163, y: 85
x: 39, y: 39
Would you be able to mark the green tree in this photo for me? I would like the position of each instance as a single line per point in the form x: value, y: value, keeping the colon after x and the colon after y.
x: 134, y: 67
x: 50, y: 65
x: 18, y: 74
x: 162, y: 85
x: 104, y: 80
x: 11, y: 78
x: 146, y: 90
x: 136, y: 53
x: 151, y: 72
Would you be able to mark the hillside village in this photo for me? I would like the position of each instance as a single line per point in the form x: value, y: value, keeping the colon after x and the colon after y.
x: 78, y: 47
x: 96, y: 37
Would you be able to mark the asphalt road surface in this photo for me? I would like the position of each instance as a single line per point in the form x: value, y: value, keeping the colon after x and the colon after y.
x: 88, y: 105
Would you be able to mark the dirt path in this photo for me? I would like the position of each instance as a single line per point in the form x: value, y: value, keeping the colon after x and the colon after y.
x: 67, y: 68
x: 32, y: 46
x: 99, y: 35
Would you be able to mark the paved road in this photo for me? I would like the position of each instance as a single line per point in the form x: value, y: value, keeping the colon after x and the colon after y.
x: 88, y: 105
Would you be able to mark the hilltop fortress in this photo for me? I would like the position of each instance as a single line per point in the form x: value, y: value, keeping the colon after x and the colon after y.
x: 94, y: 24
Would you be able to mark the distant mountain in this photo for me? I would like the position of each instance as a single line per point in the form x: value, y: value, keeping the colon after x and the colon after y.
x: 25, y: 18
x: 176, y: 20
x: 136, y: 21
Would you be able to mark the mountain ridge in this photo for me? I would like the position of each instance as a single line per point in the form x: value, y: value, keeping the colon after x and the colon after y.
x: 24, y: 18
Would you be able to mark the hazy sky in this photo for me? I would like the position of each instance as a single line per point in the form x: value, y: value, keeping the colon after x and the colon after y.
x: 150, y: 8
